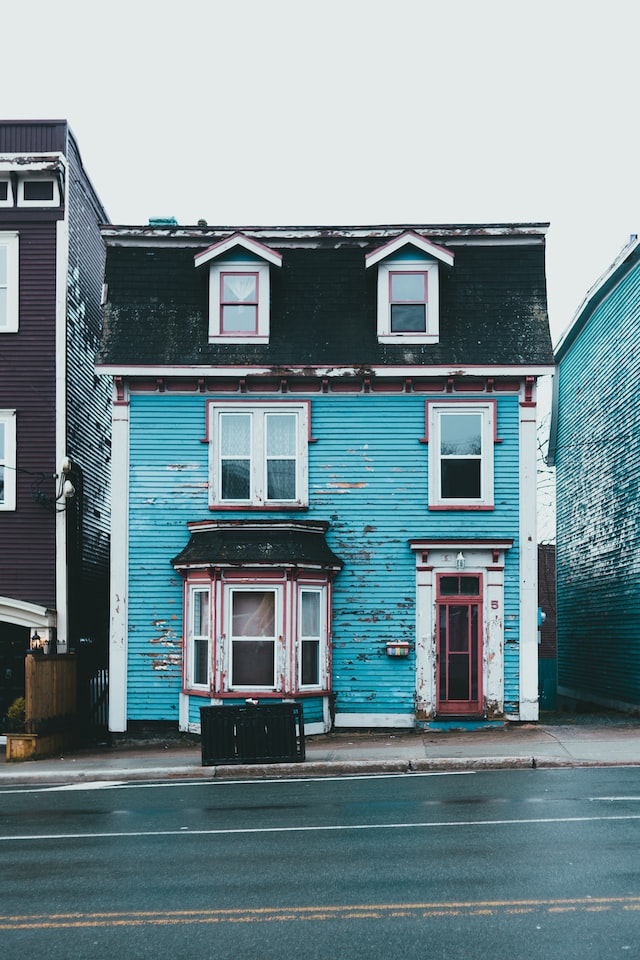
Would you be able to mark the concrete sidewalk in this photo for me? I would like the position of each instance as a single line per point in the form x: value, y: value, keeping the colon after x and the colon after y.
x: 574, y: 740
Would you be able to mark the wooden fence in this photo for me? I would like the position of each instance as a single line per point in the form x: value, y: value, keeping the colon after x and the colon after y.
x: 50, y: 707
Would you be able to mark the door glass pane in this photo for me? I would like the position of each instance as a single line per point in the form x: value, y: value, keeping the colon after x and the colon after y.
x: 449, y: 586
x: 458, y: 629
x: 470, y: 586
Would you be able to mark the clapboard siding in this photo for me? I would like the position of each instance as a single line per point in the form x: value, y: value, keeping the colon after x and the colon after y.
x: 598, y: 493
x: 367, y: 477
x: 88, y: 412
x: 27, y: 384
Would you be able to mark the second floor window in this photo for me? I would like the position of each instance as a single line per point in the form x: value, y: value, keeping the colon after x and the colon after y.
x: 258, y: 454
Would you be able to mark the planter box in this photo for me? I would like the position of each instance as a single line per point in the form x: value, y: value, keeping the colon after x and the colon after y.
x: 30, y: 746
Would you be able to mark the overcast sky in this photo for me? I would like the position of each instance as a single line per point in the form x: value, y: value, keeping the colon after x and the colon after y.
x: 348, y: 112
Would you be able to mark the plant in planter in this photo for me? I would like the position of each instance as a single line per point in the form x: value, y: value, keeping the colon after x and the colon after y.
x: 16, y: 716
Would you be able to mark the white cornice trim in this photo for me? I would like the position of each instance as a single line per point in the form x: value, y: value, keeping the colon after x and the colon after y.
x: 415, y: 370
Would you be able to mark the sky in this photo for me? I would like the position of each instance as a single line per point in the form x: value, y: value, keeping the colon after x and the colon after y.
x: 348, y: 112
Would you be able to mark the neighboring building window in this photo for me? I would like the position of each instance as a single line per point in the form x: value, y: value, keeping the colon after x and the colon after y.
x: 461, y: 437
x: 6, y: 193
x: 9, y: 274
x: 199, y: 647
x: 38, y: 192
x: 258, y: 454
x: 7, y: 460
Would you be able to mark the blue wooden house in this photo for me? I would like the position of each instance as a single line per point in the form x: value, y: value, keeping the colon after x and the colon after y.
x: 595, y: 445
x: 324, y: 470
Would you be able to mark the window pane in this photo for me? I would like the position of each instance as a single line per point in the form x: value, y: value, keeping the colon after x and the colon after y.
x: 4, y: 256
x: 470, y: 586
x: 3, y: 307
x: 461, y: 434
x: 460, y: 479
x: 4, y: 190
x: 201, y: 660
x: 239, y: 318
x: 1, y: 440
x: 253, y: 613
x: 281, y: 434
x: 408, y: 286
x: 200, y: 599
x: 310, y: 656
x: 235, y: 434
x: 239, y: 287
x: 1, y: 484
x: 310, y: 614
x: 449, y: 586
x: 236, y: 480
x: 38, y: 190
x: 408, y: 318
x: 281, y: 480
x: 252, y: 663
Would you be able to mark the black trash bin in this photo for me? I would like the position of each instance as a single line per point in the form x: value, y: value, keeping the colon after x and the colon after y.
x: 264, y: 733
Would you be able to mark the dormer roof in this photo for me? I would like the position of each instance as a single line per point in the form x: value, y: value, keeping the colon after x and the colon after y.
x: 409, y: 239
x: 238, y: 240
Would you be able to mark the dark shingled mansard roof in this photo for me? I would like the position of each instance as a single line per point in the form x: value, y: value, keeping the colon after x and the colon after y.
x: 493, y: 306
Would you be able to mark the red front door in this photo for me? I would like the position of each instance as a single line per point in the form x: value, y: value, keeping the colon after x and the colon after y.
x: 459, y: 644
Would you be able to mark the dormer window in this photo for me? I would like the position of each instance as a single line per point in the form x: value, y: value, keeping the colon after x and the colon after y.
x: 239, y: 302
x: 408, y: 289
x: 239, y: 289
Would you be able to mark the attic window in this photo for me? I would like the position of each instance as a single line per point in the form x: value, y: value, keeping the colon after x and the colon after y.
x: 408, y: 288
x: 6, y: 198
x: 239, y: 289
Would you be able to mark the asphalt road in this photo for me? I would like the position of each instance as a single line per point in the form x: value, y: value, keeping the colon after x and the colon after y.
x: 511, y: 864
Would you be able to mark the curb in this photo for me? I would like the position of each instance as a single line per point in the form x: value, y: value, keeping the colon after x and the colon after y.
x: 304, y: 770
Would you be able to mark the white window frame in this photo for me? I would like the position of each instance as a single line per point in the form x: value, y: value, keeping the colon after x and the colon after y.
x: 193, y: 588
x: 278, y: 639
x: 9, y: 241
x: 216, y: 270
x: 413, y: 265
x: 322, y: 638
x: 8, y: 459
x: 44, y: 177
x: 487, y: 411
x: 8, y: 200
x: 258, y: 465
